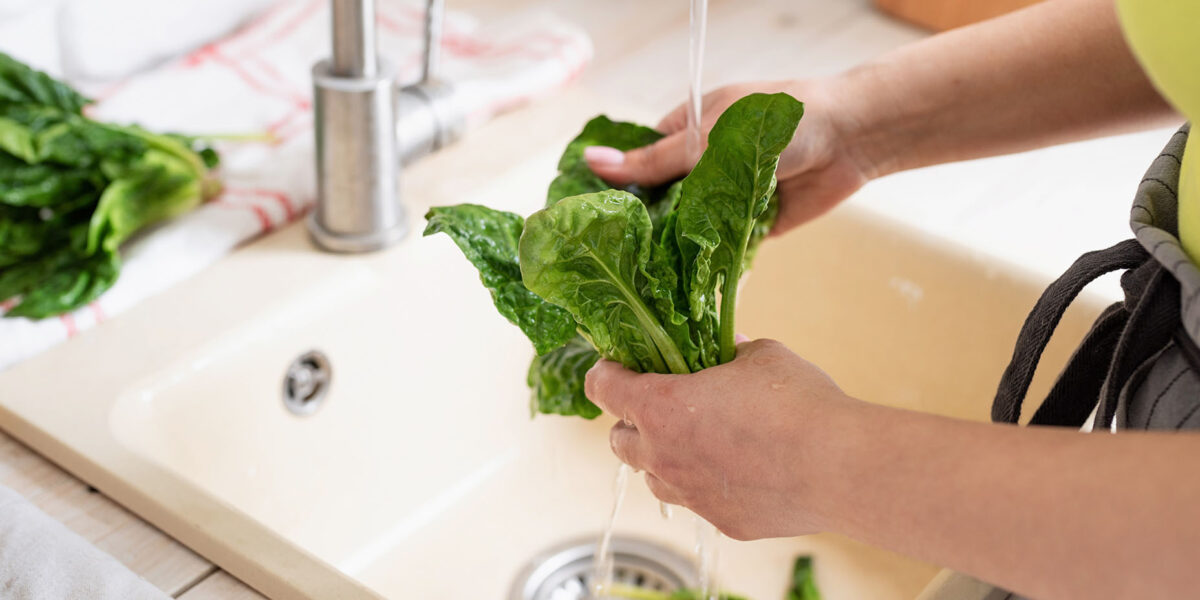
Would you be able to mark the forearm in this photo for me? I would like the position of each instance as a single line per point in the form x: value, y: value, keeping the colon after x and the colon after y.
x: 1056, y: 72
x: 1048, y: 513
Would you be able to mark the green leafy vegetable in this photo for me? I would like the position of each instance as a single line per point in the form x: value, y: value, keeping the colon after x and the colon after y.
x: 589, y: 254
x: 723, y: 198
x: 21, y: 85
x: 72, y: 190
x: 489, y: 240
x: 804, y: 584
x: 574, y: 176
x: 556, y: 380
x: 647, y: 277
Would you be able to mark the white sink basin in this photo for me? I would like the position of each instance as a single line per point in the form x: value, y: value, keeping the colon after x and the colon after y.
x: 422, y: 475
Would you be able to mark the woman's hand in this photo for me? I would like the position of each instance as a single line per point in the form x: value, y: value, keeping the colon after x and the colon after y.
x: 819, y: 169
x: 735, y: 443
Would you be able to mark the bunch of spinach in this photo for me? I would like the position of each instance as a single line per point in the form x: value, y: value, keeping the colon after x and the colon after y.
x: 645, y: 276
x: 73, y: 189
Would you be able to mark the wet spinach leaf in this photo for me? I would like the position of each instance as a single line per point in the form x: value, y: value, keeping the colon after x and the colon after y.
x: 556, y: 380
x: 590, y: 254
x: 723, y: 197
x: 489, y: 239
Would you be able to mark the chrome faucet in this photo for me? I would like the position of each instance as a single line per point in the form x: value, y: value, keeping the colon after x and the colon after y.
x: 367, y: 129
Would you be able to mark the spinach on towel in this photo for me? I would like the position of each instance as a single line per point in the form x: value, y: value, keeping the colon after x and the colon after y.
x: 73, y: 189
x: 644, y: 276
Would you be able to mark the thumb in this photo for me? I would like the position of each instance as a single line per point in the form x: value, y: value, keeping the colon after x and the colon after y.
x: 657, y: 163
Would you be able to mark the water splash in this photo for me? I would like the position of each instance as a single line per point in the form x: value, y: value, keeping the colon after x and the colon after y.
x: 602, y: 567
x: 698, y: 21
x: 708, y: 551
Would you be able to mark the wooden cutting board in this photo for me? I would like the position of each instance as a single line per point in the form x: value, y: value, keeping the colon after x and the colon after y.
x: 940, y: 15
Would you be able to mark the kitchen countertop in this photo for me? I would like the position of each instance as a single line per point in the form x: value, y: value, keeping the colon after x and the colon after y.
x: 984, y: 206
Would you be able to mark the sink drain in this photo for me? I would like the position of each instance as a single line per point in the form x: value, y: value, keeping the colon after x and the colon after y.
x: 565, y: 572
x: 306, y: 383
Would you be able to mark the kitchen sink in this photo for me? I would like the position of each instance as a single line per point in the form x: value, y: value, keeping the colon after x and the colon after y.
x: 417, y: 471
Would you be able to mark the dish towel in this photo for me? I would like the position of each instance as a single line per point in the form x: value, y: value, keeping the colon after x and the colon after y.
x: 257, y: 80
x: 40, y: 559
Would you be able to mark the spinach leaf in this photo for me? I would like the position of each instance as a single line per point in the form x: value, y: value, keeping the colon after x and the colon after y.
x: 130, y: 203
x: 804, y: 584
x: 574, y: 176
x: 556, y: 380
x: 59, y: 282
x: 589, y: 254
x: 73, y: 189
x: 489, y: 240
x: 724, y: 195
x: 23, y: 85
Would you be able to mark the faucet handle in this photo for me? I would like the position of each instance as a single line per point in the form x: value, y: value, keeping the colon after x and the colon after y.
x: 434, y: 22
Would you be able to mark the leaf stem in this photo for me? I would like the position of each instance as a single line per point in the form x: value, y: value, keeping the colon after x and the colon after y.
x: 266, y: 137
x: 729, y: 292
x: 670, y: 353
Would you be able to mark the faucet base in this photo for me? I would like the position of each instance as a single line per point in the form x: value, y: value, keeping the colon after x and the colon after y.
x: 353, y: 243
x: 358, y: 197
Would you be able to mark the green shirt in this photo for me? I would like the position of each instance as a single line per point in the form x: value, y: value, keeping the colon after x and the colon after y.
x: 1165, y: 37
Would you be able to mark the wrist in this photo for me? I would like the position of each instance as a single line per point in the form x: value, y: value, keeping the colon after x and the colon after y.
x: 837, y: 438
x: 867, y: 120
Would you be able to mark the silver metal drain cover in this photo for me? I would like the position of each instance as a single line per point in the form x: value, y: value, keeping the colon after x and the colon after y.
x: 306, y: 382
x: 565, y: 572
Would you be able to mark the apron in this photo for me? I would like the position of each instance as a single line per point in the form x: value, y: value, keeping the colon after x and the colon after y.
x: 1139, y: 365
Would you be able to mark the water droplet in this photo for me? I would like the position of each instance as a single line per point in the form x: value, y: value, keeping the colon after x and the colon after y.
x: 664, y: 509
x: 691, y: 408
x: 776, y: 385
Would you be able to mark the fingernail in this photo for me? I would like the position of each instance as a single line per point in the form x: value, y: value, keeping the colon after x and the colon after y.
x: 604, y: 156
x: 739, y: 338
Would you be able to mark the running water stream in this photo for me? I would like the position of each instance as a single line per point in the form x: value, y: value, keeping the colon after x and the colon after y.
x: 602, y: 566
x: 708, y: 539
x: 698, y: 21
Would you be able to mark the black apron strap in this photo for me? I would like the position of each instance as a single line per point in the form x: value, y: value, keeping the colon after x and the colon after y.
x: 1045, y: 316
x: 1077, y: 389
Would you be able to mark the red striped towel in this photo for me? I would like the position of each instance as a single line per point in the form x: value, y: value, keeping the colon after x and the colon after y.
x: 257, y: 79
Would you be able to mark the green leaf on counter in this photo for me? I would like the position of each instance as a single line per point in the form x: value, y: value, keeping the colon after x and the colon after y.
x: 489, y: 240
x: 72, y: 190
x: 23, y: 85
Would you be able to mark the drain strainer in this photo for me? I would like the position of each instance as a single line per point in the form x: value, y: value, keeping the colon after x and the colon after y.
x: 565, y: 572
x: 306, y: 383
